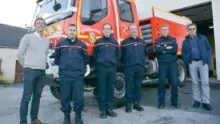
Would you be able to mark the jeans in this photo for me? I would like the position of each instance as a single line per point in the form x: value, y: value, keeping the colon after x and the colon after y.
x: 33, y: 86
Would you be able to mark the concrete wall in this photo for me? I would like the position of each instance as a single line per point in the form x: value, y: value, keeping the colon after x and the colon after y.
x: 144, y: 6
x: 8, y: 57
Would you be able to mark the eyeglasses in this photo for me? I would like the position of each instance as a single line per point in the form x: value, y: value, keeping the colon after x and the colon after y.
x: 190, y: 29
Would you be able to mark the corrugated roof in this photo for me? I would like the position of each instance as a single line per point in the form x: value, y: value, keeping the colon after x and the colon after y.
x: 10, y: 36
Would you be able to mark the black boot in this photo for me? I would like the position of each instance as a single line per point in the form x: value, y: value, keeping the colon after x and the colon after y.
x: 78, y: 118
x: 103, y: 115
x: 137, y: 106
x: 161, y: 105
x: 196, y: 104
x: 128, y: 108
x: 175, y: 105
x: 67, y: 118
x: 207, y: 107
x: 111, y: 113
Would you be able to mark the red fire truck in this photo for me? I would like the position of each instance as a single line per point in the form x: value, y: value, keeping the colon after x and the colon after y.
x: 89, y: 16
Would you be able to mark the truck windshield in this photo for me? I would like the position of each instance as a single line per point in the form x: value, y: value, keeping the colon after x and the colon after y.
x: 47, y: 8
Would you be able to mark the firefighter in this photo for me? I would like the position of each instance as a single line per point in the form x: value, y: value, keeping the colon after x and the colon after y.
x: 166, y: 49
x: 71, y: 56
x: 106, y: 56
x: 133, y: 54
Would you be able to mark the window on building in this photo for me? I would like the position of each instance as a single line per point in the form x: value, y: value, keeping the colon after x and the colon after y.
x: 125, y: 11
x: 93, y: 11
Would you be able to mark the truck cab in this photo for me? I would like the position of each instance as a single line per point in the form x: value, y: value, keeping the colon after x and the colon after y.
x: 89, y: 16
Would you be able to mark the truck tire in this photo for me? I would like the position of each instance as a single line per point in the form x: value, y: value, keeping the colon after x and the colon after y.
x: 119, y: 92
x: 182, y: 73
x: 55, y: 92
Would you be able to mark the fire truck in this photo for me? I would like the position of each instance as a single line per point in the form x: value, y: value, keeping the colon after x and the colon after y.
x: 89, y: 16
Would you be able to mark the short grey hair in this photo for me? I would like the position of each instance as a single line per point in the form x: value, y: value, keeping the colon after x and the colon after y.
x: 191, y: 24
x: 165, y: 25
x: 133, y: 24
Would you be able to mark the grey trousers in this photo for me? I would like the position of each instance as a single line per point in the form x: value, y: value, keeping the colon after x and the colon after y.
x: 201, y: 92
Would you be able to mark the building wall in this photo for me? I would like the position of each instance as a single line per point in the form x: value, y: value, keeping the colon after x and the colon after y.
x: 144, y: 7
x: 8, y: 57
x: 216, y: 21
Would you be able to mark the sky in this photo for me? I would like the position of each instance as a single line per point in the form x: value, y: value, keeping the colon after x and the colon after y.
x: 17, y: 12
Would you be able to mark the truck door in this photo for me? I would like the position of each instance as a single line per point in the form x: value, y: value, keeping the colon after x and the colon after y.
x: 127, y: 15
x: 92, y: 15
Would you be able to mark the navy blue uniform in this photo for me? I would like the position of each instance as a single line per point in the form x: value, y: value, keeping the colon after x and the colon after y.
x: 106, y: 56
x: 133, y: 55
x: 167, y: 59
x: 72, y: 58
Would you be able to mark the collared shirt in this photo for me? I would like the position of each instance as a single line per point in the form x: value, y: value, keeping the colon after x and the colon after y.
x: 195, y: 53
x: 38, y: 35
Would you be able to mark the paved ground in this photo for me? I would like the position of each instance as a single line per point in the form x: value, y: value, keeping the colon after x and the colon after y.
x: 50, y: 113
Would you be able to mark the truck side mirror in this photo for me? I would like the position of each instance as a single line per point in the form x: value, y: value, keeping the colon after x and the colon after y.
x: 95, y: 6
x: 57, y: 7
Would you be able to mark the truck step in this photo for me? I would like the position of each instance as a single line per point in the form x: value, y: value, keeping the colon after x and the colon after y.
x: 149, y: 41
x: 148, y: 36
x: 147, y: 31
x: 144, y: 27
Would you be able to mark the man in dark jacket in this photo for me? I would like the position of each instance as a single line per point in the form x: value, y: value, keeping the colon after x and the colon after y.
x: 71, y: 56
x: 106, y: 56
x: 133, y: 57
x: 196, y: 53
x: 166, y: 49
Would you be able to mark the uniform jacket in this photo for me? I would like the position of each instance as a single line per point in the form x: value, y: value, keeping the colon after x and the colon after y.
x: 163, y: 54
x: 133, y: 52
x: 106, y: 51
x: 71, y: 56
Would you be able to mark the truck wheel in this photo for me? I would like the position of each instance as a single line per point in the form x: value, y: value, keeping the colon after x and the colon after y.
x: 119, y: 92
x: 55, y: 92
x: 181, y: 72
x: 53, y: 89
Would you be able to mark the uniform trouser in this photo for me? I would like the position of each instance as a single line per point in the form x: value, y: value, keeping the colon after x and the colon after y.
x: 204, y: 89
x: 33, y: 86
x: 71, y: 89
x: 169, y: 70
x: 133, y: 79
x: 106, y: 79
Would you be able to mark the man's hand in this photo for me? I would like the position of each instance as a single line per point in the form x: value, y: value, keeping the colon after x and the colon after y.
x: 169, y: 47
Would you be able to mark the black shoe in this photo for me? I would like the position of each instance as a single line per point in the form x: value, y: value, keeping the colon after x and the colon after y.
x: 78, y: 118
x: 196, y: 104
x: 128, y: 108
x: 161, y: 105
x: 111, y: 113
x: 67, y: 119
x: 103, y: 115
x: 207, y: 107
x: 137, y: 107
x: 175, y: 105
